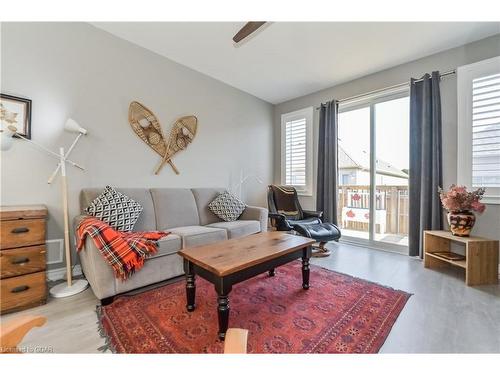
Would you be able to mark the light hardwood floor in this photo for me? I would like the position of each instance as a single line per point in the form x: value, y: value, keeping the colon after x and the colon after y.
x: 442, y: 316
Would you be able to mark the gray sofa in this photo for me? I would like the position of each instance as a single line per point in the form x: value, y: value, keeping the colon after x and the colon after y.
x: 184, y: 213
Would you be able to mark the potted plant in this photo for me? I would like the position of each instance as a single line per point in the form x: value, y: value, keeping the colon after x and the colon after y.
x: 460, y: 205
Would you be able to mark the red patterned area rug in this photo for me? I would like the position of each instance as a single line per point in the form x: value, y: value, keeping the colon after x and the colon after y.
x: 338, y: 314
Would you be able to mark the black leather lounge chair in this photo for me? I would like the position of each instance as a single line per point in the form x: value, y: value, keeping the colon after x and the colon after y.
x: 286, y: 214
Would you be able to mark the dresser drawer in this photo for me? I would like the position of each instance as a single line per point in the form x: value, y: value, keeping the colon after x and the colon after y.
x: 20, y: 233
x: 22, y: 292
x: 16, y: 262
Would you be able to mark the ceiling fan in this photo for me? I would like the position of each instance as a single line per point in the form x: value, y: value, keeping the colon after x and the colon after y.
x: 245, y: 31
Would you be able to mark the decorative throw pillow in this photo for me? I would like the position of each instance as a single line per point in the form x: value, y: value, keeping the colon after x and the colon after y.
x: 115, y: 209
x: 227, y: 207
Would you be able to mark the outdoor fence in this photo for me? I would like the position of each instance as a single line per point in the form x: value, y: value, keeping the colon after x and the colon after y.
x: 391, y: 208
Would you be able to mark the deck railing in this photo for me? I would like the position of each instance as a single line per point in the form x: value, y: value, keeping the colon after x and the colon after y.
x: 391, y: 204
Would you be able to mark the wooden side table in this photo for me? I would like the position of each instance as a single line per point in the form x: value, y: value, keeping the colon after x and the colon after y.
x: 481, y: 256
x: 22, y: 257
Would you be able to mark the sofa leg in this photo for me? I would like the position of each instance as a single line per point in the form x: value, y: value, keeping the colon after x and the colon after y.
x: 107, y: 301
x: 320, y: 251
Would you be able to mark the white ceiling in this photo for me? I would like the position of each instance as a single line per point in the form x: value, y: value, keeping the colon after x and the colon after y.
x: 286, y: 60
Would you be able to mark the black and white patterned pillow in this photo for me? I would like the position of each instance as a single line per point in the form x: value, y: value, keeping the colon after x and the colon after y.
x: 115, y: 209
x: 227, y: 207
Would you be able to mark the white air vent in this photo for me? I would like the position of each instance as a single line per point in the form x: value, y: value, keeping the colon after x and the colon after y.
x: 55, y: 251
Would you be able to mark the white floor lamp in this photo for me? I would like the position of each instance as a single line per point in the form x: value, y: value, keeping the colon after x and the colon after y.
x: 70, y: 287
x: 238, y: 190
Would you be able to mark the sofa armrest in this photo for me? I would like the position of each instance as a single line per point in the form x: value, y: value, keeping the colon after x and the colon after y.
x: 97, y: 271
x: 256, y: 213
x: 77, y: 220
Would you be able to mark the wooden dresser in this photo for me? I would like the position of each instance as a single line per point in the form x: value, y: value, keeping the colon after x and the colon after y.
x: 22, y: 257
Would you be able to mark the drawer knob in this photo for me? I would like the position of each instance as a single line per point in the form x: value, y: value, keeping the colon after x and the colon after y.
x: 20, y: 260
x: 19, y: 289
x: 20, y: 230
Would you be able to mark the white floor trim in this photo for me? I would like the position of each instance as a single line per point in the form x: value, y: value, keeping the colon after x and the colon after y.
x: 60, y: 273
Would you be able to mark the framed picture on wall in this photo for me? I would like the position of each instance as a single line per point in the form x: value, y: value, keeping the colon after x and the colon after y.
x: 17, y: 112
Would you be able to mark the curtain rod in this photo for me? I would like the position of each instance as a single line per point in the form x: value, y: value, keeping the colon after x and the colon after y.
x: 449, y: 72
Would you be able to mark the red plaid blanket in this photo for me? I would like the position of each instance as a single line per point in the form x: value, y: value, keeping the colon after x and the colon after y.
x: 124, y: 251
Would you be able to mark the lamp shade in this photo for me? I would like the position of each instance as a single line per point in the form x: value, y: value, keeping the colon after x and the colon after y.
x: 6, y: 137
x: 72, y: 126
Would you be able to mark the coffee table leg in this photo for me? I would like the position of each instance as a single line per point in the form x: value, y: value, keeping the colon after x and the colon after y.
x: 271, y: 272
x: 305, y: 268
x: 222, y: 287
x: 223, y: 314
x: 190, y: 285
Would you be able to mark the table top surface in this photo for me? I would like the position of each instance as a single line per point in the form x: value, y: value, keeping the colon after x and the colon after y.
x: 23, y: 211
x: 448, y: 235
x: 227, y: 257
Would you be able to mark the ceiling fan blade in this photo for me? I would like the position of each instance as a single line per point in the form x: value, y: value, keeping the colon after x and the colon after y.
x: 249, y: 28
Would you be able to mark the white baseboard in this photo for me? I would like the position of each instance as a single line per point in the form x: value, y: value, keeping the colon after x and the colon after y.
x: 60, y: 273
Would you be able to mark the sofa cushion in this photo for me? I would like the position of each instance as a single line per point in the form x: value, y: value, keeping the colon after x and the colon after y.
x: 196, y: 235
x: 203, y: 196
x: 238, y: 228
x: 146, y: 221
x: 174, y: 208
x: 227, y: 206
x: 170, y: 244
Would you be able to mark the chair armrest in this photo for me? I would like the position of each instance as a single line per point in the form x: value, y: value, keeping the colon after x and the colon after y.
x: 236, y: 341
x: 256, y: 213
x: 277, y: 216
x: 318, y: 214
x: 280, y: 222
x: 13, y: 331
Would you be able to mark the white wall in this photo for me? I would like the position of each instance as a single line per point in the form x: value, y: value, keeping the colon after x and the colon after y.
x: 488, y: 224
x: 76, y: 70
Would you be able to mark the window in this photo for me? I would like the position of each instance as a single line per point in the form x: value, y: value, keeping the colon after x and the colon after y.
x: 478, y: 87
x: 296, y: 150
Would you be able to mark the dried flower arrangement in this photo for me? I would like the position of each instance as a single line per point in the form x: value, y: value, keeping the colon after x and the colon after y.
x: 458, y: 199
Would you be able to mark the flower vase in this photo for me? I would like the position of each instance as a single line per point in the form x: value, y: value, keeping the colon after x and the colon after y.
x: 461, y: 222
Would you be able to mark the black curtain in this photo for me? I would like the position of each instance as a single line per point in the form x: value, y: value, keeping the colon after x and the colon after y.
x: 326, y: 186
x: 426, y: 161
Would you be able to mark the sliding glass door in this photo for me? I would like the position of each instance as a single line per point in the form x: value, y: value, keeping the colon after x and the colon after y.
x: 354, y: 172
x: 391, y: 174
x: 373, y: 171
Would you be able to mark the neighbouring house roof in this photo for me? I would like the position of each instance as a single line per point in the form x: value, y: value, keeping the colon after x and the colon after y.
x: 362, y: 161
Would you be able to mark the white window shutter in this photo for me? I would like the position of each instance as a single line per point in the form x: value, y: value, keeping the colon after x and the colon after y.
x: 478, y: 157
x: 297, y: 150
x: 295, y: 154
x: 486, y: 131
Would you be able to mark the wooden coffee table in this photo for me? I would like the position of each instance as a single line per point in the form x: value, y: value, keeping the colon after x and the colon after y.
x: 229, y: 262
